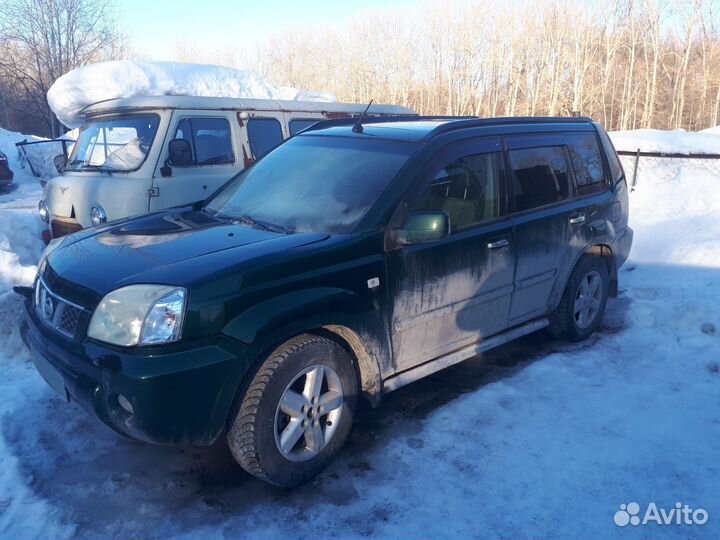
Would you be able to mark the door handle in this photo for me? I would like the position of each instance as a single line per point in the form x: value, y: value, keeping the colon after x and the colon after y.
x: 498, y: 243
x: 577, y: 220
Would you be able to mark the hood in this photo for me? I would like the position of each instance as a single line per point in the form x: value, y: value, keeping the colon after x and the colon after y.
x: 164, y: 248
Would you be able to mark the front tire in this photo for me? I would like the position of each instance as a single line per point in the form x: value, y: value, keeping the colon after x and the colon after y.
x: 583, y: 302
x: 297, y: 411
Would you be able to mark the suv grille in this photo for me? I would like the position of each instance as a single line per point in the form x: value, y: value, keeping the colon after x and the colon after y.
x: 56, y: 312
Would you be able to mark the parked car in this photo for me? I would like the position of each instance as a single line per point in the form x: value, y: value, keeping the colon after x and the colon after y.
x: 350, y: 261
x: 143, y: 154
x: 6, y: 174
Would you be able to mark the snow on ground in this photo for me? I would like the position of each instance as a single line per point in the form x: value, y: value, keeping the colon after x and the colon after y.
x: 86, y: 85
x: 538, y: 439
x: 677, y: 141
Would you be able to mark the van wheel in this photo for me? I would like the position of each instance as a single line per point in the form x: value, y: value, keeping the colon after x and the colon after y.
x: 583, y: 301
x: 297, y: 412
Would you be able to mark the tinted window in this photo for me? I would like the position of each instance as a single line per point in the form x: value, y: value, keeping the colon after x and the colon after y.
x: 209, y: 139
x: 264, y: 134
x: 539, y: 176
x: 616, y: 170
x: 467, y: 189
x: 298, y: 124
x: 314, y: 183
x: 587, y: 162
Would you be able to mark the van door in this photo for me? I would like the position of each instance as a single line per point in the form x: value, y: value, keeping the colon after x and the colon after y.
x: 216, y: 157
x: 549, y: 222
x: 454, y: 292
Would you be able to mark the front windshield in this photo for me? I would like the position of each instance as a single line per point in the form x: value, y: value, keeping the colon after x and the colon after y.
x: 115, y: 144
x: 314, y: 183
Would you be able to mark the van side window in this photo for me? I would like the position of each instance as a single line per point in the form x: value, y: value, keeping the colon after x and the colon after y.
x: 587, y: 163
x: 467, y: 189
x: 264, y: 134
x: 539, y: 176
x: 209, y: 139
x: 298, y: 124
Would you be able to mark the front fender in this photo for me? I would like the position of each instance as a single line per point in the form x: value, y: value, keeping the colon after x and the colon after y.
x: 271, y: 322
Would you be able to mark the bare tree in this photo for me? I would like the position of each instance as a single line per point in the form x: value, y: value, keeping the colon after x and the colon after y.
x: 48, y: 38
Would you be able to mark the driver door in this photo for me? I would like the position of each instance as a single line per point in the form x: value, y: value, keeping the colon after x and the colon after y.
x: 216, y: 157
x: 454, y: 292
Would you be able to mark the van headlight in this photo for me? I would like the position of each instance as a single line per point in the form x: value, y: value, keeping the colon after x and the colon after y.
x: 139, y: 315
x: 44, y: 211
x: 97, y: 215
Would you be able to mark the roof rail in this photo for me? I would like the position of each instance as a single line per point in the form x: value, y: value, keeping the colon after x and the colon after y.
x: 456, y: 122
x: 380, y: 119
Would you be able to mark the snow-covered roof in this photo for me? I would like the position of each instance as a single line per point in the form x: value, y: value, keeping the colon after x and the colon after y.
x: 125, y: 83
x: 224, y: 103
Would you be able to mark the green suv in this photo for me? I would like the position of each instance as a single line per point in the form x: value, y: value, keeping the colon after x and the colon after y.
x: 350, y: 261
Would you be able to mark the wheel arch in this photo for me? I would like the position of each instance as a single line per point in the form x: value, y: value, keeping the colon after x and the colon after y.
x: 346, y: 317
x: 605, y: 253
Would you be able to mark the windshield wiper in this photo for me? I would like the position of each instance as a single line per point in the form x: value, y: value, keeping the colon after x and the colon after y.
x: 264, y: 225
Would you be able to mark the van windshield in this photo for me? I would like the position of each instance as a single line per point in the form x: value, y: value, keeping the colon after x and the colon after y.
x: 313, y: 183
x: 113, y: 144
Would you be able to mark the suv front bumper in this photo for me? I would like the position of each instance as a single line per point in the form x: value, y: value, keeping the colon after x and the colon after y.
x: 180, y: 393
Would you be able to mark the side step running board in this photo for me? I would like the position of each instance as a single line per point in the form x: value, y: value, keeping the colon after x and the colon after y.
x: 423, y: 370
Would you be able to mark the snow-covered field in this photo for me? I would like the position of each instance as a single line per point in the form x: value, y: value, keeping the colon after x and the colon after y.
x: 539, y: 439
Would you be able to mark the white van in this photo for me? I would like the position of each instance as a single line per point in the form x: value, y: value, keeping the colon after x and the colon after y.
x: 142, y: 154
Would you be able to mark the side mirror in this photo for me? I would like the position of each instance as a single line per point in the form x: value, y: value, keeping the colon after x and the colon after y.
x: 179, y: 153
x: 421, y: 227
x: 60, y: 161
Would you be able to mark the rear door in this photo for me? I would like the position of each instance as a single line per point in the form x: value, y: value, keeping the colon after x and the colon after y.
x: 594, y: 185
x: 456, y: 291
x: 550, y: 222
x: 214, y: 143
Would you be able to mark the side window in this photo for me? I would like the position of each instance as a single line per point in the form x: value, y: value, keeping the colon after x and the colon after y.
x: 209, y: 138
x: 298, y: 124
x: 264, y: 134
x: 616, y: 170
x: 539, y: 176
x: 587, y: 163
x: 468, y: 189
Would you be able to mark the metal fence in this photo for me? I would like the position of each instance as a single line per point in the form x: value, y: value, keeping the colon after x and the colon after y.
x: 636, y: 163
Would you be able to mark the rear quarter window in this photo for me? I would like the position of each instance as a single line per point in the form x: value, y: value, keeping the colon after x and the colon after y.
x: 616, y: 170
x: 587, y: 163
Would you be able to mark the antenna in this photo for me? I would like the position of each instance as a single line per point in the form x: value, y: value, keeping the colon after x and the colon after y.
x: 357, y: 128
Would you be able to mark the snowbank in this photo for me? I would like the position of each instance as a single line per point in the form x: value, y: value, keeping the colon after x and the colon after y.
x: 125, y: 78
x: 676, y: 141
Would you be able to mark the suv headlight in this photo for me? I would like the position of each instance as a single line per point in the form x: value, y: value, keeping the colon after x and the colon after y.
x: 98, y: 215
x: 44, y: 211
x: 139, y: 315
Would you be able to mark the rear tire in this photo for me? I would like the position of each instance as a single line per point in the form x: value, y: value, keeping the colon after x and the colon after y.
x: 297, y: 411
x: 583, y: 301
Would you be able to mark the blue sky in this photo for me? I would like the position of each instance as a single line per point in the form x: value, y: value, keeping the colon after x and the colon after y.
x: 155, y: 27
